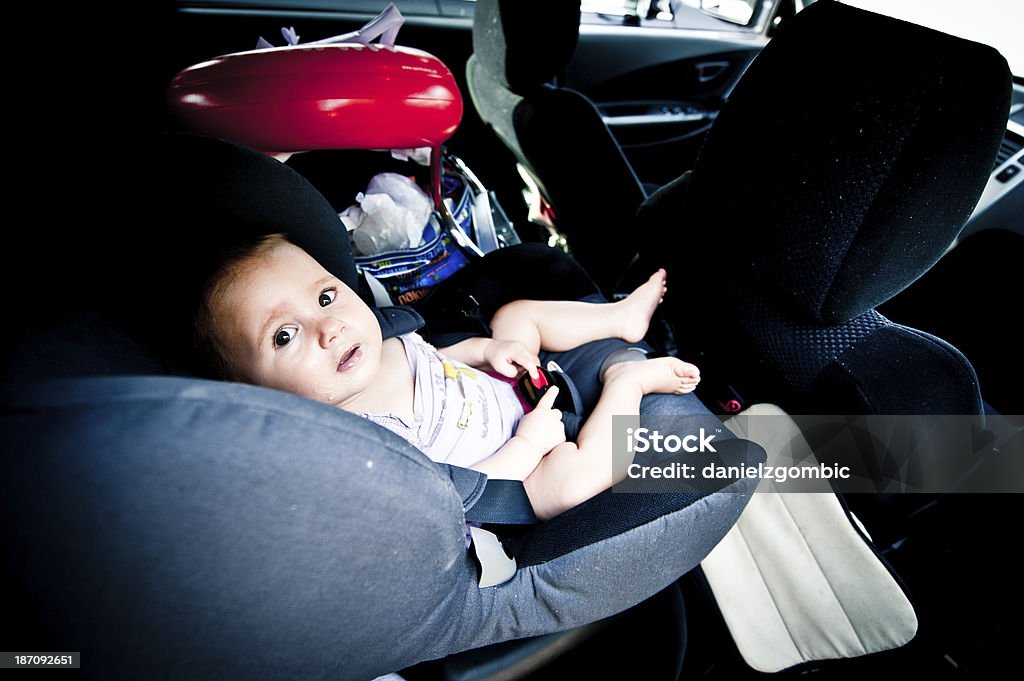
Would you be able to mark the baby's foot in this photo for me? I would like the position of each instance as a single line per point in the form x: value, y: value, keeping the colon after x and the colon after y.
x: 661, y: 375
x: 634, y: 312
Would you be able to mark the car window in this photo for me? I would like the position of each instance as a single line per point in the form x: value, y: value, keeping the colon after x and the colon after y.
x: 993, y: 22
x: 368, y: 7
x: 714, y: 15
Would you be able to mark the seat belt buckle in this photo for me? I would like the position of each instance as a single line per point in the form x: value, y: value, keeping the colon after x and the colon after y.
x: 496, y: 567
x: 532, y: 389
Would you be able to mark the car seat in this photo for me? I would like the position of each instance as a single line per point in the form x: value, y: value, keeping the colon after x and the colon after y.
x: 827, y: 185
x: 198, y: 529
x: 836, y: 174
x: 555, y: 133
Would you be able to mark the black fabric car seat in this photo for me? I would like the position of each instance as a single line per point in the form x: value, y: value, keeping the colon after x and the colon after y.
x: 842, y: 167
x: 556, y: 133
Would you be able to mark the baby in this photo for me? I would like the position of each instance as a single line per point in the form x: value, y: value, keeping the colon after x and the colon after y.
x: 275, y: 317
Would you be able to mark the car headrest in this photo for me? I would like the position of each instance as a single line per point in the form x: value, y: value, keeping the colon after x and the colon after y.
x: 207, y: 198
x: 848, y: 157
x: 522, y: 47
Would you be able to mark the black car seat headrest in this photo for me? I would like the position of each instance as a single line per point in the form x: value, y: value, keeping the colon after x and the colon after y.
x: 849, y: 197
x: 523, y: 46
x: 210, y: 197
x: 218, y: 193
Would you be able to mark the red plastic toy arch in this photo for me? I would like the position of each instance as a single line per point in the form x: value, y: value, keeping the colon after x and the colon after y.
x: 301, y: 98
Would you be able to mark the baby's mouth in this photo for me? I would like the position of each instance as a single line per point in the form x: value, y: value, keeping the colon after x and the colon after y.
x: 350, y: 358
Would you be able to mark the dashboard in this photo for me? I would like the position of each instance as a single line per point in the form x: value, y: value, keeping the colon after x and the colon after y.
x: 1002, y: 203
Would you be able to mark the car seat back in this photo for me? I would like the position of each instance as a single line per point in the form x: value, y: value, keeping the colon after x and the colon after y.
x: 868, y: 159
x: 556, y: 133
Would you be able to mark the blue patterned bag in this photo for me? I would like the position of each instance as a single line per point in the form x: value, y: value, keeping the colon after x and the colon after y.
x: 470, y: 224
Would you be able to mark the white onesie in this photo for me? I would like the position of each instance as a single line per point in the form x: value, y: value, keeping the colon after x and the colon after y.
x: 461, y: 415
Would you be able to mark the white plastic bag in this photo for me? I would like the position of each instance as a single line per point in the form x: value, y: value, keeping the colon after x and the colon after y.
x: 391, y: 215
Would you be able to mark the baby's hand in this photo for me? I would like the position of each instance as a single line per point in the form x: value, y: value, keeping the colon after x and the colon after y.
x: 543, y: 426
x: 508, y: 357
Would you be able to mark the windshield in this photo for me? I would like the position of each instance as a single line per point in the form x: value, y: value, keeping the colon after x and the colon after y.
x: 993, y: 22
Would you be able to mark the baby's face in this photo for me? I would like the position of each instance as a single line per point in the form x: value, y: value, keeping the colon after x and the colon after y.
x: 289, y: 324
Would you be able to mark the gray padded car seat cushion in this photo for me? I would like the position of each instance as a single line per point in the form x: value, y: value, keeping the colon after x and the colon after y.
x: 211, y: 530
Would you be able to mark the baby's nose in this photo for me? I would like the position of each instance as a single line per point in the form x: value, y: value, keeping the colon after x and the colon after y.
x: 330, y: 330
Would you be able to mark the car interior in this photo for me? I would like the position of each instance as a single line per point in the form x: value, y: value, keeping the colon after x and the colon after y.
x: 836, y: 196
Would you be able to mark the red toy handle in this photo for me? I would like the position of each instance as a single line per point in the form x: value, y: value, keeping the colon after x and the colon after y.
x: 306, y: 97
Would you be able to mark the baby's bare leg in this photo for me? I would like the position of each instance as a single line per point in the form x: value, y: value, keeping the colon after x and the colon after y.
x: 559, y: 325
x: 550, y: 486
x: 625, y: 384
x: 571, y: 474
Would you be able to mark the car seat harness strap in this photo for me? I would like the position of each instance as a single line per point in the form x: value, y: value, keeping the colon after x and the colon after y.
x: 502, y: 502
x: 493, y: 502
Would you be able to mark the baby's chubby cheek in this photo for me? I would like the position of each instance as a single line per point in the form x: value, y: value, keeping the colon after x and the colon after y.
x: 324, y: 390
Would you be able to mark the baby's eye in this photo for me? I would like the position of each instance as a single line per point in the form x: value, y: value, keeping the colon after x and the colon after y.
x: 327, y: 297
x: 284, y: 336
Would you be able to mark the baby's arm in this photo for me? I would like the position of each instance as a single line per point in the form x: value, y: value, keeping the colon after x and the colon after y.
x: 538, y: 433
x: 506, y: 357
x: 521, y: 328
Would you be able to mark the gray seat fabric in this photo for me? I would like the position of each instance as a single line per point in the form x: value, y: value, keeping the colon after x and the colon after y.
x: 204, y: 530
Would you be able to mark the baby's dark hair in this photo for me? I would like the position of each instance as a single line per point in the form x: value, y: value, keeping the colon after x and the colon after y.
x: 209, y: 344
